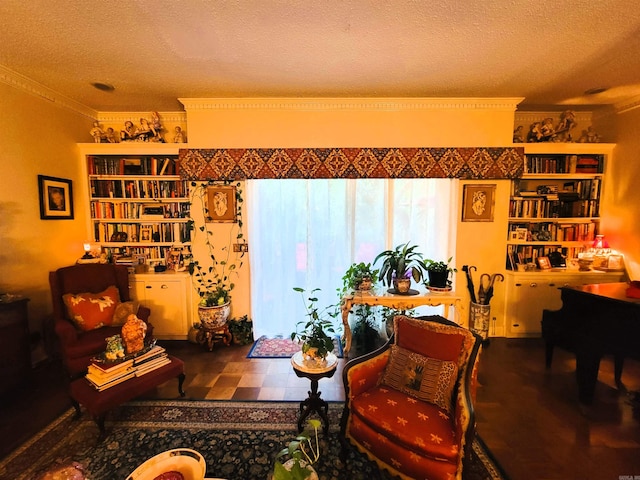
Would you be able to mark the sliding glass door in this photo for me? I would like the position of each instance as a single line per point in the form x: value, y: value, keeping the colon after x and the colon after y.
x: 306, y: 233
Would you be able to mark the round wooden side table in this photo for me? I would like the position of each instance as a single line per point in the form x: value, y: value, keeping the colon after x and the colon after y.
x: 313, y: 403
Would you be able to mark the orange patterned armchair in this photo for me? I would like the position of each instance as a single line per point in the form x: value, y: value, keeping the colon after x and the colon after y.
x: 409, y: 404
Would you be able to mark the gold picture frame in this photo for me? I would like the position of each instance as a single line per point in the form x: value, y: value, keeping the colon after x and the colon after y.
x: 221, y: 204
x: 478, y: 202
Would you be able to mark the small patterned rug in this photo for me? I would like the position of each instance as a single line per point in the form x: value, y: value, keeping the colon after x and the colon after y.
x: 280, y: 347
x: 238, y: 441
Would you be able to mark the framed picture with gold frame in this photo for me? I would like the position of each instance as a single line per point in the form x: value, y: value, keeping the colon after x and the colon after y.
x: 478, y: 202
x: 221, y: 204
x: 543, y: 263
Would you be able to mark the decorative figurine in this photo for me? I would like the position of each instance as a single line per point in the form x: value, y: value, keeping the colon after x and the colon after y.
x: 179, y: 136
x: 97, y: 133
x: 535, y: 134
x: 547, y: 130
x: 143, y: 132
x: 128, y: 134
x: 111, y: 136
x: 567, y: 123
x: 518, y: 135
x: 589, y: 136
x: 156, y: 127
x: 114, y: 349
x: 133, y: 332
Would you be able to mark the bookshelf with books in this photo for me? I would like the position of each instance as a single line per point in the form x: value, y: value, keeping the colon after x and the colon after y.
x: 554, y: 212
x: 138, y: 204
x: 555, y: 206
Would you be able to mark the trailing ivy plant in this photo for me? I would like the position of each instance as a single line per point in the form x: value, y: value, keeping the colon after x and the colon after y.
x: 213, y: 274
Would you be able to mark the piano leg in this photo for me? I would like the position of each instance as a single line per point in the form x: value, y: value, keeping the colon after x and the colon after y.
x: 618, y: 364
x: 587, y: 365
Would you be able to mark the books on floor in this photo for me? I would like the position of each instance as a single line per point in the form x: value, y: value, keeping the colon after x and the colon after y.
x: 103, y: 376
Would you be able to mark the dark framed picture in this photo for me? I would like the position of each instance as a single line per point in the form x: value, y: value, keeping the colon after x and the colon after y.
x: 478, y: 202
x: 543, y: 263
x: 221, y: 203
x: 56, y: 198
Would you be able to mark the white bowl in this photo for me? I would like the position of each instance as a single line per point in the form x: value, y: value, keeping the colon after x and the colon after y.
x: 184, y: 460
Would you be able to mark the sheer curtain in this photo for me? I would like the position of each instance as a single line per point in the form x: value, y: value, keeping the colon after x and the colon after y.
x: 306, y: 233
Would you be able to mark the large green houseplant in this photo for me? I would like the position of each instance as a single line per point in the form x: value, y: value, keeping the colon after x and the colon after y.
x: 313, y: 333
x: 399, y: 266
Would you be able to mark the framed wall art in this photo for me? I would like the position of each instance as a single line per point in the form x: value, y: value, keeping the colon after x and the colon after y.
x: 221, y: 203
x: 56, y: 198
x: 478, y: 202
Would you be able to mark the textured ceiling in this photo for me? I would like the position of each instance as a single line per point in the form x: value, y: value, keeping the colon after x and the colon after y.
x: 154, y: 52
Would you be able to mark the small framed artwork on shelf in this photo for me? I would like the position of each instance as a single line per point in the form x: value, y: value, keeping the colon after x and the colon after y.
x: 145, y: 234
x: 478, y: 202
x: 544, y: 263
x: 56, y: 198
x: 221, y: 203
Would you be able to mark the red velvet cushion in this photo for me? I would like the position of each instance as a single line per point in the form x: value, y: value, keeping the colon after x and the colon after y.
x: 413, y: 425
x: 89, y: 311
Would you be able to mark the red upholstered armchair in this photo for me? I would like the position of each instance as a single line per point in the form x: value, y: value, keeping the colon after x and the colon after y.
x: 78, y: 343
x: 409, y: 404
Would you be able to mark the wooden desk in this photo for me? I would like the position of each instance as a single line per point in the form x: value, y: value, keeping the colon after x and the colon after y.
x: 397, y: 302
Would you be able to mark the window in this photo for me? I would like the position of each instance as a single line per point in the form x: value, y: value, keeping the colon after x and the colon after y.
x: 306, y: 233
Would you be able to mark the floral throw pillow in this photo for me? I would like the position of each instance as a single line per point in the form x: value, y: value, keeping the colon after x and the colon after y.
x: 427, y: 379
x: 89, y: 311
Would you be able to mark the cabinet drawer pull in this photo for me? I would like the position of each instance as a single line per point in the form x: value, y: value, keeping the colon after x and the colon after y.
x: 148, y: 286
x: 552, y: 284
x: 163, y: 286
x: 533, y: 284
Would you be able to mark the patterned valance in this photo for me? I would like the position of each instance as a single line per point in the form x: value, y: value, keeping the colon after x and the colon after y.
x: 255, y: 163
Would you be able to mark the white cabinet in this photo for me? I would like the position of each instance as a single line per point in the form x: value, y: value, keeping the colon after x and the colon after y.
x: 168, y: 296
x: 530, y: 293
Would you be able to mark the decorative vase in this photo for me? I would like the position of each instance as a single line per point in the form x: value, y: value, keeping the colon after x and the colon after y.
x: 311, y: 358
x: 312, y: 473
x: 401, y: 285
x: 214, y: 318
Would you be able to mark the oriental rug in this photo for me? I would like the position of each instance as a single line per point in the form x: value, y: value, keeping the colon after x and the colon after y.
x: 280, y: 347
x: 238, y: 440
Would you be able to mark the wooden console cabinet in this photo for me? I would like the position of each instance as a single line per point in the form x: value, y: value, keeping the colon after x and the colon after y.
x: 15, y: 345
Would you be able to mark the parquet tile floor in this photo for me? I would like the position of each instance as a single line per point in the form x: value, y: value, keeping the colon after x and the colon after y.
x: 528, y: 416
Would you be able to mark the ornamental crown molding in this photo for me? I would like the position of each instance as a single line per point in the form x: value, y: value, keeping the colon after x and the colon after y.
x: 583, y: 118
x: 121, y: 117
x: 380, y: 104
x: 627, y: 106
x: 36, y: 89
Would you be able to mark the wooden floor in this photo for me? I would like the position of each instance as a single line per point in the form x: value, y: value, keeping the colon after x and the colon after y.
x: 528, y: 417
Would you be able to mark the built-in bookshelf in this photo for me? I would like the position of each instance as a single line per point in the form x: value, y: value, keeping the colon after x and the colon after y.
x: 555, y: 207
x: 139, y: 205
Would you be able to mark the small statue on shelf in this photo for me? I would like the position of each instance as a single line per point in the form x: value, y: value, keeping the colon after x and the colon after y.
x: 547, y: 130
x: 156, y: 128
x: 567, y: 123
x: 128, y: 134
x: 111, y: 136
x: 98, y: 133
x: 114, y: 350
x: 518, y: 134
x: 589, y: 136
x: 133, y: 332
x: 179, y: 136
x: 535, y: 133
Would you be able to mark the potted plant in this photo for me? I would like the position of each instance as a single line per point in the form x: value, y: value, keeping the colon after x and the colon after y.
x: 212, y: 270
x: 300, y: 455
x: 242, y: 330
x: 438, y: 273
x: 359, y: 276
x: 399, y: 266
x: 313, y: 333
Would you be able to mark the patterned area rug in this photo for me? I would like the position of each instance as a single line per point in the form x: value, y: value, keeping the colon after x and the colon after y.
x: 280, y: 347
x: 238, y: 440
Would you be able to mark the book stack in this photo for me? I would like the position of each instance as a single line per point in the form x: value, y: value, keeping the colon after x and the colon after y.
x: 106, y: 375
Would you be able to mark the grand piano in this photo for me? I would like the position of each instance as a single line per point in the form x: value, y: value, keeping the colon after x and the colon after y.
x: 594, y: 320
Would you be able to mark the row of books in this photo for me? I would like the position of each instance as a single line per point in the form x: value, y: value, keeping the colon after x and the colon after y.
x: 98, y: 165
x: 139, y: 233
x: 552, y: 232
x: 139, y: 188
x: 542, y: 208
x: 136, y: 210
x: 106, y: 375
x: 564, y: 164
x: 530, y: 253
